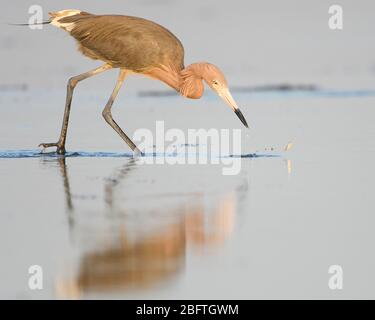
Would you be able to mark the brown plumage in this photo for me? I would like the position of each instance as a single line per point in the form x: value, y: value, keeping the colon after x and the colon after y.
x: 135, y: 45
x: 126, y: 42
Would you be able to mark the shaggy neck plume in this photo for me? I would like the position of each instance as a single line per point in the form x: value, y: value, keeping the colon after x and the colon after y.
x: 192, y: 84
x: 188, y: 81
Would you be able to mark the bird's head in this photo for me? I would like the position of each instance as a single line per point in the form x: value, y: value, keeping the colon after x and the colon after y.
x: 215, y: 79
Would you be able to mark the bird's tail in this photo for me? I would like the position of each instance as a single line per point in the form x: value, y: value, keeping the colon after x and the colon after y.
x: 56, y: 17
x: 65, y: 19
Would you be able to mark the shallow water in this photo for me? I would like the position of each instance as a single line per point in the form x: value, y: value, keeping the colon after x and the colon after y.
x: 103, y: 224
x: 18, y: 154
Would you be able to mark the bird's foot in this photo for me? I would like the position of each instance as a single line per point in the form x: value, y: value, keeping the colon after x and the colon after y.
x: 137, y: 152
x: 60, y: 149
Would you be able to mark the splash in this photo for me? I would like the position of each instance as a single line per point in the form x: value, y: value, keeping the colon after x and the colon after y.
x: 17, y: 154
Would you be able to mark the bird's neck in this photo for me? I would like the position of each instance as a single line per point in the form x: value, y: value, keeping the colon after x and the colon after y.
x: 191, y: 85
x: 187, y: 82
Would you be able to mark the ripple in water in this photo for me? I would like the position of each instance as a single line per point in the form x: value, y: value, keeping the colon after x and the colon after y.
x: 19, y: 154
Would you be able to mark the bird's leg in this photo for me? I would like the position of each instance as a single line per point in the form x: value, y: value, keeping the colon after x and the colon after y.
x: 69, y: 95
x: 107, y: 114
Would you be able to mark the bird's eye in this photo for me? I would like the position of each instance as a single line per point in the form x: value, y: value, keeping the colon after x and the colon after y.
x: 215, y: 82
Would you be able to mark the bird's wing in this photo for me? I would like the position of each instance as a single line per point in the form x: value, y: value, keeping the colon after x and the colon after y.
x: 128, y: 42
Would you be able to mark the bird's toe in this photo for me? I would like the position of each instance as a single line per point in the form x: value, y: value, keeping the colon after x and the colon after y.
x: 59, y: 149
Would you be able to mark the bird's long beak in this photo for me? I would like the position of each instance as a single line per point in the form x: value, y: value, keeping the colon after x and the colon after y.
x: 227, y: 97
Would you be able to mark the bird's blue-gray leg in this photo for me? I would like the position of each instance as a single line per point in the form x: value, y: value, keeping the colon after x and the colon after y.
x: 60, y: 145
x: 107, y: 114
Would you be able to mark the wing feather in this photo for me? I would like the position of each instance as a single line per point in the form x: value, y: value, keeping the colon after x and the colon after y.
x: 128, y: 42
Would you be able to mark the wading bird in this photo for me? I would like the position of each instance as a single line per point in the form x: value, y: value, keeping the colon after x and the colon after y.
x: 134, y: 45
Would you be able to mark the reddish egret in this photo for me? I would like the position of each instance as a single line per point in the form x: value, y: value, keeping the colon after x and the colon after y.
x: 134, y: 45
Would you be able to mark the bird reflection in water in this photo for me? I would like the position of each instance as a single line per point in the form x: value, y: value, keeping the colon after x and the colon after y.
x: 144, y: 254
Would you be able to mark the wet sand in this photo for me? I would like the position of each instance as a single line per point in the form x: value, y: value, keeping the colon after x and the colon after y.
x: 104, y: 225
